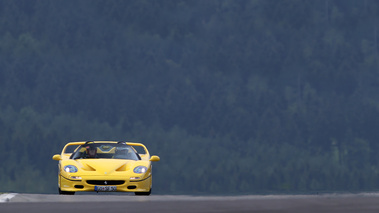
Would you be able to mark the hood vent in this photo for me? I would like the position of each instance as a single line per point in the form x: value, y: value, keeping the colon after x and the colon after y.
x: 87, y: 167
x: 121, y: 168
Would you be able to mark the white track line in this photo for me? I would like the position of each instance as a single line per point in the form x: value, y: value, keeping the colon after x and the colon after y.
x: 6, y: 197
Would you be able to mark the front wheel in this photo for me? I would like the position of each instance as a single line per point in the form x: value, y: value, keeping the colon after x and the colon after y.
x: 143, y: 193
x: 65, y: 192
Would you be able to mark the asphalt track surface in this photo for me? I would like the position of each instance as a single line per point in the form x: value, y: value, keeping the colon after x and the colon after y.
x: 108, y: 203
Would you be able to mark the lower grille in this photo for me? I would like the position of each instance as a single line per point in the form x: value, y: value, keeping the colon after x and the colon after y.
x: 106, y: 182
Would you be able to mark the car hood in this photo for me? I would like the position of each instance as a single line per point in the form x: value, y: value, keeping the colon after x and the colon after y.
x: 103, y: 166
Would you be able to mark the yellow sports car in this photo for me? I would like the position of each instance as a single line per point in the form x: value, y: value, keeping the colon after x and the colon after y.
x: 104, y: 166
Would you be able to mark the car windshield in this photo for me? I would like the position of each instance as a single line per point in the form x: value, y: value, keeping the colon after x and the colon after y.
x: 105, y: 150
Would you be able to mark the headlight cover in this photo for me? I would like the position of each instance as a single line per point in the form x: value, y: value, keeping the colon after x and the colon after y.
x: 70, y: 169
x: 140, y: 169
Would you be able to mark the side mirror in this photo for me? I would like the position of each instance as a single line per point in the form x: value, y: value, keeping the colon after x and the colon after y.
x: 57, y: 157
x: 155, y: 158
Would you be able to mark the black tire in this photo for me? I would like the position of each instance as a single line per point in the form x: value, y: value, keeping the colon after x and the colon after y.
x: 143, y: 193
x: 65, y: 192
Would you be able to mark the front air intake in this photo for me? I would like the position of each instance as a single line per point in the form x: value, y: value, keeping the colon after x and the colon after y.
x: 106, y: 182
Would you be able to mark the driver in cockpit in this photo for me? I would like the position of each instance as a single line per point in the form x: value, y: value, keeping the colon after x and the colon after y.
x: 91, y: 151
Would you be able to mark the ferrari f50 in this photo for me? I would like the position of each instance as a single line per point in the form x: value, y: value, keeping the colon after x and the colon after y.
x: 105, y: 166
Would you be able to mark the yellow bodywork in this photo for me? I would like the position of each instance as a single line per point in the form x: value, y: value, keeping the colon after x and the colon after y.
x: 92, y: 173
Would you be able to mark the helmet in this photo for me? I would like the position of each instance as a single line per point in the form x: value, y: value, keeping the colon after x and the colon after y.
x: 91, y: 151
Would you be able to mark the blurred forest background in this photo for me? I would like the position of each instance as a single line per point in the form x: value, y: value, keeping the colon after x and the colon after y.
x: 236, y: 97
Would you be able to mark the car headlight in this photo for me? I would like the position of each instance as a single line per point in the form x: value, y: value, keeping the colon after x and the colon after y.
x: 70, y: 169
x: 140, y: 169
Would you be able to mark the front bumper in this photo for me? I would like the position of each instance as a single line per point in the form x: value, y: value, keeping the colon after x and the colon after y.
x: 88, y: 183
